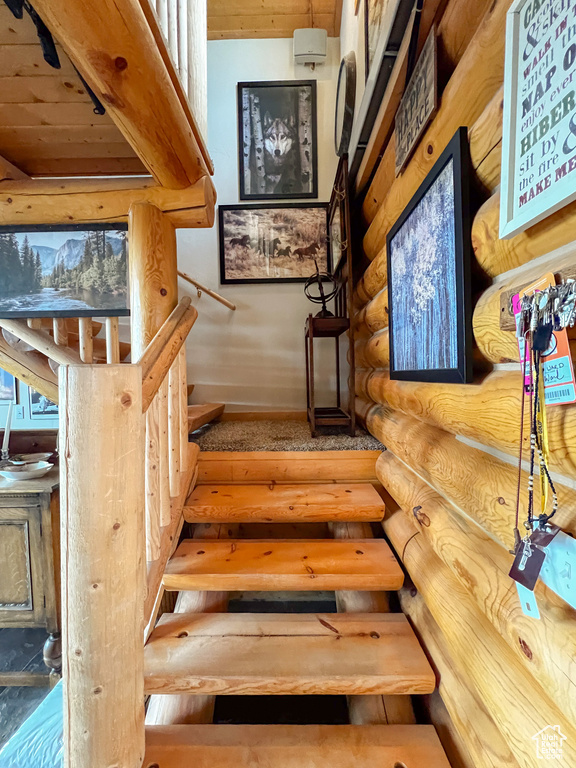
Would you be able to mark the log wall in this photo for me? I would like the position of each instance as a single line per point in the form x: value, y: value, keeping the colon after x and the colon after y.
x: 451, y: 459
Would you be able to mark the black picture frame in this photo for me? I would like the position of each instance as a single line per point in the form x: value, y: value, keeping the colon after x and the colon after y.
x: 292, y: 155
x: 247, y: 249
x: 391, y: 36
x: 448, y: 274
x: 48, y: 311
x: 41, y: 408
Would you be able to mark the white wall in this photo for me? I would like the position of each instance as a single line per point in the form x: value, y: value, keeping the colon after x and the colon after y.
x: 252, y: 358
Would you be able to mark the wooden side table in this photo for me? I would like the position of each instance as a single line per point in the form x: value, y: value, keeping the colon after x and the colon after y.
x: 30, y: 560
x: 343, y: 414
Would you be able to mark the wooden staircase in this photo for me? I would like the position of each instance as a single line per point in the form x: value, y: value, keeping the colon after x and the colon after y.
x: 359, y: 654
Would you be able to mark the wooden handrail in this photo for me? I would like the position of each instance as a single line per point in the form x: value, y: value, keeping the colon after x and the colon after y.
x: 164, y: 348
x: 208, y: 291
x: 42, y: 342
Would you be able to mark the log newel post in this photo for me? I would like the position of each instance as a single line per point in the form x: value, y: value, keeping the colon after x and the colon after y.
x: 103, y: 565
x: 154, y: 294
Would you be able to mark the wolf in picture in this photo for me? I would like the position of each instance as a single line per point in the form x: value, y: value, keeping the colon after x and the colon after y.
x: 279, y: 153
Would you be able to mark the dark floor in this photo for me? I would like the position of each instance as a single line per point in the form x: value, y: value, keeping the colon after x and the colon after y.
x: 20, y: 650
x: 289, y: 710
x: 279, y: 436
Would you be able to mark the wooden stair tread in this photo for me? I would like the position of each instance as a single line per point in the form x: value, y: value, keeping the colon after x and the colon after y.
x: 294, y: 746
x: 283, y: 564
x: 244, y: 653
x: 284, y: 503
x: 199, y: 415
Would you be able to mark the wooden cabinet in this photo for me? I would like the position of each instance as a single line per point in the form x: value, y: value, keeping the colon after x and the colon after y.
x: 30, y: 555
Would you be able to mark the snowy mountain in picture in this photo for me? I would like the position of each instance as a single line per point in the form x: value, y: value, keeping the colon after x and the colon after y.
x: 47, y: 257
x: 69, y: 254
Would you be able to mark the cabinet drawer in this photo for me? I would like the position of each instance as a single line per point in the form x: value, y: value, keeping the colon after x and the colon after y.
x: 21, y: 571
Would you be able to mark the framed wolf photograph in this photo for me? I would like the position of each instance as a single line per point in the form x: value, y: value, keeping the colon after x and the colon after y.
x: 428, y: 252
x: 273, y: 243
x: 277, y: 140
x: 78, y: 270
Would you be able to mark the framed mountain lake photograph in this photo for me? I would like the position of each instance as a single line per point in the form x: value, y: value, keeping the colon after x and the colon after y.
x: 78, y: 270
x: 428, y: 252
x: 277, y: 142
x: 274, y: 243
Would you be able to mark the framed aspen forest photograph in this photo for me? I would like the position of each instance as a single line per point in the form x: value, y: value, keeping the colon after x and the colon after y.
x: 277, y: 140
x: 428, y: 251
x: 273, y: 243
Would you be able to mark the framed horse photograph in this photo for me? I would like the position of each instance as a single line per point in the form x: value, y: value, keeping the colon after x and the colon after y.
x: 274, y: 243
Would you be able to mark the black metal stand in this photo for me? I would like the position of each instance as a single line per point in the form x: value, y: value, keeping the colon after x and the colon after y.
x: 340, y: 416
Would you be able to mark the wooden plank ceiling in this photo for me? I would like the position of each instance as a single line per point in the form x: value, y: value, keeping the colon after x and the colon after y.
x: 47, y: 123
x: 236, y: 19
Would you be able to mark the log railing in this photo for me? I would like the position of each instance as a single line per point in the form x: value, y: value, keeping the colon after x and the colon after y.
x: 184, y: 24
x: 46, y: 343
x: 126, y: 469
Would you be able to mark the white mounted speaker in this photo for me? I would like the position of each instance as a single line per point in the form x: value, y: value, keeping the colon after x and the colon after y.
x: 310, y: 46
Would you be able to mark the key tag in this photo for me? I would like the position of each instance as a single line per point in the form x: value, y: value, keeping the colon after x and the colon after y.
x: 530, y: 556
x: 527, y: 564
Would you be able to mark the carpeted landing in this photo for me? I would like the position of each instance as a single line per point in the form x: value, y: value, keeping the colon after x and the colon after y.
x: 279, y: 436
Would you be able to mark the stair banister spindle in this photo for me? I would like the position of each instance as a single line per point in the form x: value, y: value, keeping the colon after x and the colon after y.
x: 112, y: 340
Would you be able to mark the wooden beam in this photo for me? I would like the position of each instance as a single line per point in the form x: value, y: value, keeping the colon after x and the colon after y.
x: 31, y: 368
x: 65, y: 201
x: 462, y: 409
x: 492, y: 321
x: 41, y: 341
x: 187, y: 100
x: 474, y: 723
x: 546, y: 647
x: 114, y: 45
x: 153, y: 278
x: 481, y: 485
x: 155, y: 367
x: 507, y: 689
x: 154, y: 349
x: 102, y: 499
